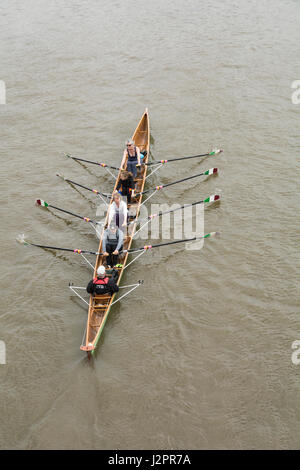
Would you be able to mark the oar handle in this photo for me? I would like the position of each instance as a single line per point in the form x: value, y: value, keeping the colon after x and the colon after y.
x: 93, y: 163
x: 157, y: 188
x: 149, y: 247
x: 156, y: 162
x: 70, y: 250
x: 131, y: 250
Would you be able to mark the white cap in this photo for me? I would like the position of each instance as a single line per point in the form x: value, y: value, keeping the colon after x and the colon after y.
x: 101, y: 271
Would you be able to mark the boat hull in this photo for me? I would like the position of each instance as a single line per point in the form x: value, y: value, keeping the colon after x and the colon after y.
x: 100, y: 306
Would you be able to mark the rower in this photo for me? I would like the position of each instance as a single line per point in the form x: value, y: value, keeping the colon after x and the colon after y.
x: 126, y: 185
x: 112, y: 244
x: 118, y: 211
x: 103, y: 284
x: 134, y: 157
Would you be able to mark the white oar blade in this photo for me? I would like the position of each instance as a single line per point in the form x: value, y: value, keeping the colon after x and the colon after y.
x: 216, y: 151
x: 21, y: 239
x: 214, y: 197
x: 211, y: 171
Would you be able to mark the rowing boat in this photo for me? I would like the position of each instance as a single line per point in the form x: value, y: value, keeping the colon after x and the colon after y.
x: 99, y: 306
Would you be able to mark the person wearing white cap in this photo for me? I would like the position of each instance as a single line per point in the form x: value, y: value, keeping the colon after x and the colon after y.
x: 102, y: 284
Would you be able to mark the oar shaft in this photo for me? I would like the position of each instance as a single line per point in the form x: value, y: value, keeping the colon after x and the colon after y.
x: 160, y: 213
x: 148, y: 247
x: 85, y: 187
x: 131, y: 250
x: 93, y: 163
x: 172, y: 243
x: 86, y: 219
x: 183, y: 179
x: 182, y: 241
x: 63, y: 249
x: 171, y: 184
x: 176, y: 159
x: 82, y: 186
x: 214, y: 197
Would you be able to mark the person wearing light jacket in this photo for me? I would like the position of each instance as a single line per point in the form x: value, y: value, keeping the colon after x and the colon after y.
x: 118, y: 211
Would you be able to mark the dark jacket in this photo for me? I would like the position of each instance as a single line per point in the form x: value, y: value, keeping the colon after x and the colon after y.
x: 108, y: 288
x: 125, y: 185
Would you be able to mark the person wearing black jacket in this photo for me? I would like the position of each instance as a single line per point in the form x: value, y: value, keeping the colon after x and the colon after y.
x: 103, y: 284
x: 126, y: 184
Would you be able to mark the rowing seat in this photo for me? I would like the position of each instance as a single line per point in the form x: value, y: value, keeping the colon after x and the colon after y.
x: 104, y: 299
x: 100, y: 306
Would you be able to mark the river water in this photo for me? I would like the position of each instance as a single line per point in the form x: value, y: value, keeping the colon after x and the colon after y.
x: 200, y: 355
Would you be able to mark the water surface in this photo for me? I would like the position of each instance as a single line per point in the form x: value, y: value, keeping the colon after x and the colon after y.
x: 200, y: 356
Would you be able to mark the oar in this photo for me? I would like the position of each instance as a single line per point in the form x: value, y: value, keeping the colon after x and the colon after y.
x: 42, y: 203
x: 21, y: 239
x: 155, y: 162
x: 82, y: 186
x: 149, y: 247
x: 214, y: 197
x: 213, y: 152
x: 93, y: 163
x: 157, y: 188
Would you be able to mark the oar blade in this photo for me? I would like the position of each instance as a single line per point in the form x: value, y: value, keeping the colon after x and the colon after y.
x: 42, y: 203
